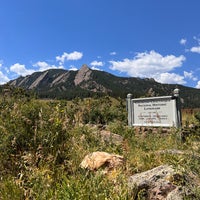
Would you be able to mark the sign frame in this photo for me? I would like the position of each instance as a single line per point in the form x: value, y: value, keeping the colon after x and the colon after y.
x: 162, y: 111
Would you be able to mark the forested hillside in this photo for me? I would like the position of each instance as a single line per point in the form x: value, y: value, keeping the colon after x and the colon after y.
x: 63, y: 84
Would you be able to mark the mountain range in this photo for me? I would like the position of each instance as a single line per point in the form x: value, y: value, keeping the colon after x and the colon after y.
x: 67, y: 84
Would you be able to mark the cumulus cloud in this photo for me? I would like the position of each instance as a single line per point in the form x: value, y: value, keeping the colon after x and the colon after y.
x: 198, y: 85
x: 96, y: 68
x: 73, y: 68
x: 21, y: 69
x: 152, y: 65
x: 190, y: 75
x: 69, y: 56
x: 169, y: 78
x: 197, y: 39
x: 195, y: 49
x: 183, y: 41
x: 96, y: 63
x: 45, y: 66
x: 3, y: 78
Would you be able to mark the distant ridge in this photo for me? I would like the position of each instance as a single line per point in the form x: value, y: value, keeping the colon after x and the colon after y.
x: 65, y: 84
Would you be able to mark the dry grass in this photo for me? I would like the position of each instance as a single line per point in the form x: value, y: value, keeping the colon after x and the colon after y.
x: 42, y: 144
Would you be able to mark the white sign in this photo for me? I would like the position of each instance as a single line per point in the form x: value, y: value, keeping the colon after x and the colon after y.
x: 155, y: 111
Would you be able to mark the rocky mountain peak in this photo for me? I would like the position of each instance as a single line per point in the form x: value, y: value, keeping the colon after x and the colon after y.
x: 84, y: 68
x: 83, y: 74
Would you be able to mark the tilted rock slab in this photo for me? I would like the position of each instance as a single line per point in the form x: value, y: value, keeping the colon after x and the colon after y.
x: 160, y: 183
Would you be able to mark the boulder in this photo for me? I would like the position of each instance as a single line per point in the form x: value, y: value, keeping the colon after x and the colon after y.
x: 105, y: 135
x: 110, y: 137
x: 160, y: 183
x: 96, y: 160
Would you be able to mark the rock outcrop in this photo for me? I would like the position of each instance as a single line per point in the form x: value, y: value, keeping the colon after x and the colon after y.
x: 161, y: 183
x: 82, y: 75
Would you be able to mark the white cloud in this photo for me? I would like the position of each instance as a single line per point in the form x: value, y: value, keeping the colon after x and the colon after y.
x: 45, y: 66
x: 190, y: 75
x: 195, y: 49
x: 198, y: 85
x: 69, y: 56
x: 183, y: 41
x: 96, y: 68
x: 197, y: 39
x: 73, y: 68
x: 3, y: 78
x: 6, y: 70
x: 169, y: 78
x: 21, y: 69
x: 96, y: 63
x: 152, y: 65
x: 113, y: 53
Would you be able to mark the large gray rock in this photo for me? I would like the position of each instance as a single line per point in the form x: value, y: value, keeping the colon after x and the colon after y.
x: 160, y: 183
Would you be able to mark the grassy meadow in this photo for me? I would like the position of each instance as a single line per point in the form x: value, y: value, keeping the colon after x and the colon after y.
x: 42, y: 143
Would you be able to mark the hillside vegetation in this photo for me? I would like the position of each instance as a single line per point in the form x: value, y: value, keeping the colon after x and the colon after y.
x: 42, y: 143
x: 64, y: 84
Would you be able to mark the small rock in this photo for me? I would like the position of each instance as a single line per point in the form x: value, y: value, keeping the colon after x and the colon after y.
x: 111, y: 137
x: 95, y: 160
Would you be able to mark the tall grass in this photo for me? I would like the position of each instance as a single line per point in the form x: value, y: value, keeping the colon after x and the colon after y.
x: 43, y: 142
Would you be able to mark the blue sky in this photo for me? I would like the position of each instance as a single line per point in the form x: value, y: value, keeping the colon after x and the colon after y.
x: 133, y: 38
